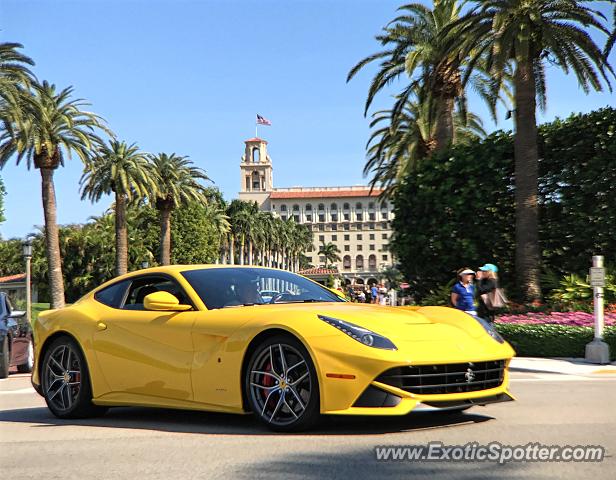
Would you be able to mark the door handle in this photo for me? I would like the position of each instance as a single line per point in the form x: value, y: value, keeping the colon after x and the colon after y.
x: 101, y: 326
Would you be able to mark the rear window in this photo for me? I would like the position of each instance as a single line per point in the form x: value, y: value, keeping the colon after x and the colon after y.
x: 112, y: 295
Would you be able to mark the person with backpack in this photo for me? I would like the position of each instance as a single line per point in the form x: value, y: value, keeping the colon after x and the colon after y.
x: 489, y: 296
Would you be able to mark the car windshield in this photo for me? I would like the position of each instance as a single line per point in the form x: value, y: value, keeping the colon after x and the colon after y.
x: 233, y: 287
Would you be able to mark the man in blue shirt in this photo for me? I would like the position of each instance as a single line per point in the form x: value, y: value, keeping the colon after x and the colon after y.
x: 463, y: 292
x: 374, y: 292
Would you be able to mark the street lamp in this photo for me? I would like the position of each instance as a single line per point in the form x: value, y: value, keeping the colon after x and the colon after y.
x: 27, y: 253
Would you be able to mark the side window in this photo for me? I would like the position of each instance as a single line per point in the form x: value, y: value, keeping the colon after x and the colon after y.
x: 113, y: 295
x: 142, y: 287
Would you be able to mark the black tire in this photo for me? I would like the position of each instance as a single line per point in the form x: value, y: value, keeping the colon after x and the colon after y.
x: 5, y: 357
x: 284, y: 396
x: 27, y: 367
x: 65, y: 381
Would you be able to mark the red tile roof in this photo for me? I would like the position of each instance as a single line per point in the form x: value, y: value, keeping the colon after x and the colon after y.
x: 20, y: 277
x: 319, y: 271
x: 255, y: 139
x: 325, y: 194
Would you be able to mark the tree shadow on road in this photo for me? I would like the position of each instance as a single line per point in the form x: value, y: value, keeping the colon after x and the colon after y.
x: 182, y: 421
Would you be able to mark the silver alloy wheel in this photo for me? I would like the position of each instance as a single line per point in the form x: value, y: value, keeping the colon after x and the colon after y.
x: 62, y: 377
x: 280, y: 384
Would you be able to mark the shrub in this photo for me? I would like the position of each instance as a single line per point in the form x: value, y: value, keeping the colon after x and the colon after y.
x: 549, y: 340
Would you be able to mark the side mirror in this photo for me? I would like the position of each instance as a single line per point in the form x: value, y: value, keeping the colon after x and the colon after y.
x: 338, y: 292
x: 163, y: 302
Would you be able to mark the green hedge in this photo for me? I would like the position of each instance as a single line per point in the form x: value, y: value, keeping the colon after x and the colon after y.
x: 546, y: 340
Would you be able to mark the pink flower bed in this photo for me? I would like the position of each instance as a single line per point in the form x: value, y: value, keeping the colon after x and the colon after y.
x: 576, y: 319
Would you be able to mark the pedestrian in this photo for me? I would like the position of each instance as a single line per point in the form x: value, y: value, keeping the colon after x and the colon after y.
x: 486, y: 288
x: 374, y: 292
x: 463, y: 292
x: 361, y: 297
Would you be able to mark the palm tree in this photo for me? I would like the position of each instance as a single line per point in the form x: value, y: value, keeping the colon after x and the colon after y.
x: 330, y: 252
x: 399, y: 142
x: 526, y: 35
x: 49, y: 126
x: 418, y: 50
x: 124, y: 170
x: 15, y: 76
x: 177, y: 183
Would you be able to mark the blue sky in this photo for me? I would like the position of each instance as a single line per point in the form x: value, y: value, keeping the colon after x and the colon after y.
x: 189, y: 77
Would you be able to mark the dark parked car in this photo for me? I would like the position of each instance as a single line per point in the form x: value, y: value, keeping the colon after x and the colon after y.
x: 15, y: 339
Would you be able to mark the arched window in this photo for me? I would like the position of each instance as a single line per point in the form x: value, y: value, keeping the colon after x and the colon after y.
x: 371, y: 205
x: 359, y: 262
x: 346, y: 206
x: 358, y: 206
x: 256, y: 181
x: 372, y: 261
x: 309, y: 207
x: 256, y: 155
x: 283, y: 208
x: 384, y: 206
x: 346, y: 262
x: 296, y: 208
x: 333, y: 206
x: 321, y: 206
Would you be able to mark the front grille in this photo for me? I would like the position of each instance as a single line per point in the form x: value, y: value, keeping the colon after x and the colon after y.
x: 446, y: 378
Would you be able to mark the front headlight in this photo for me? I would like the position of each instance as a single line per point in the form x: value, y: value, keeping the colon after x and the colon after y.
x: 362, y: 335
x: 488, y: 327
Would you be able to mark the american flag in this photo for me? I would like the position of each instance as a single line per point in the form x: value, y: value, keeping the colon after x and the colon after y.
x: 263, y: 121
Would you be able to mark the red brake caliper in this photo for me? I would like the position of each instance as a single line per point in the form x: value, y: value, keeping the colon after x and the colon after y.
x: 268, y: 381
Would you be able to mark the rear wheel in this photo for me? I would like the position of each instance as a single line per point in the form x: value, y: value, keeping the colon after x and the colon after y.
x: 66, y: 382
x: 4, y: 357
x: 281, y: 385
x: 27, y: 367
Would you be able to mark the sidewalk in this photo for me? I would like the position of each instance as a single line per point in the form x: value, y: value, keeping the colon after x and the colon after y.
x: 564, y: 366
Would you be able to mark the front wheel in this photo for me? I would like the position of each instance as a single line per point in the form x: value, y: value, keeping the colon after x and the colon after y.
x: 66, y: 382
x: 27, y: 367
x: 281, y: 385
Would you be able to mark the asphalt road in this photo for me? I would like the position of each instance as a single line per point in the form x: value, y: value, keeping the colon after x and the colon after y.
x: 141, y: 443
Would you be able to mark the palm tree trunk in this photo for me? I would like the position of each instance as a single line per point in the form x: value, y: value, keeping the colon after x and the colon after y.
x: 242, y: 248
x: 52, y: 241
x: 121, y: 235
x: 165, y: 236
x: 231, y: 249
x: 443, y: 135
x: 527, y: 257
x: 249, y: 261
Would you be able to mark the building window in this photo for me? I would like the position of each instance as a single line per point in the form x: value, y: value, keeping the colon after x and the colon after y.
x: 384, y: 225
x: 321, y: 238
x: 322, y: 259
x: 359, y: 248
x: 311, y: 248
x: 371, y: 246
x: 371, y: 205
x: 309, y: 218
x: 256, y: 155
x: 309, y: 259
x: 384, y: 206
x: 358, y: 226
x: 347, y: 248
x: 371, y: 236
x: 360, y: 236
x: 371, y: 226
x: 372, y: 262
x: 359, y: 217
x: 283, y: 208
x: 347, y: 217
x: 334, y: 217
x: 309, y: 208
x: 334, y: 227
x: 384, y: 257
x: 346, y: 262
x: 321, y: 227
x: 384, y: 236
x: 321, y: 217
x: 359, y: 262
x: 346, y: 206
x: 334, y: 238
x: 346, y: 226
x: 372, y: 216
x: 296, y: 218
x: 296, y: 208
x: 256, y: 181
x: 333, y: 207
x: 384, y: 215
x: 284, y: 218
x: 347, y: 238
x: 321, y: 207
x: 248, y: 183
x: 358, y: 206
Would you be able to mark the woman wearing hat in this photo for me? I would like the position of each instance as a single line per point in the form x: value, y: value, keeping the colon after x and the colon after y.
x: 487, y: 282
x: 463, y: 292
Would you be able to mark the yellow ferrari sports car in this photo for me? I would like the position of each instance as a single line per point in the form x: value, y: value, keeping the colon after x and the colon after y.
x: 261, y: 340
